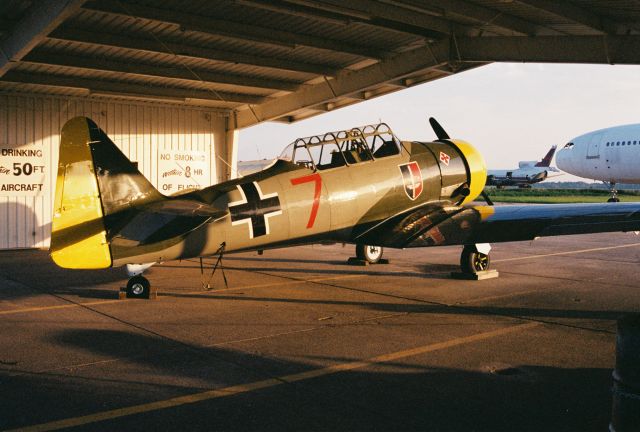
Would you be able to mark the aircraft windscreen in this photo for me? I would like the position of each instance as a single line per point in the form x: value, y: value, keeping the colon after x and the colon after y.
x: 347, y: 147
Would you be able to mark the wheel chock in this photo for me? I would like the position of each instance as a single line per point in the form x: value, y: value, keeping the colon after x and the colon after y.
x: 481, y: 275
x: 359, y: 262
x: 122, y: 294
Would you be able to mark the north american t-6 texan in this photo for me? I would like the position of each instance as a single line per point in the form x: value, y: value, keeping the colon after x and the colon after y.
x: 361, y: 186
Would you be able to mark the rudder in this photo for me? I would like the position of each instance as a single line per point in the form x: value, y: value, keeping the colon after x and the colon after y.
x: 94, y: 180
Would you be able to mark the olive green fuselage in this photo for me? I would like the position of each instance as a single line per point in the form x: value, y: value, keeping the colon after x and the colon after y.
x: 289, y: 204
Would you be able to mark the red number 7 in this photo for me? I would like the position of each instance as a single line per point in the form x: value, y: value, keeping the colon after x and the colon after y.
x: 316, y: 194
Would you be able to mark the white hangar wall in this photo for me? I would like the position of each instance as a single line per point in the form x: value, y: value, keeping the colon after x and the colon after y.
x: 151, y: 134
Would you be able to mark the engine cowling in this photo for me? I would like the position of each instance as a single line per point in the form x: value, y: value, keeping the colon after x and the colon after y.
x: 462, y: 169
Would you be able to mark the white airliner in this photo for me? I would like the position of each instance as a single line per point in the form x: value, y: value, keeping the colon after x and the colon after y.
x: 611, y: 155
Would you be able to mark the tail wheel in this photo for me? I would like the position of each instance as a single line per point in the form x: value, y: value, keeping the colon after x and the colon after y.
x: 472, y: 261
x: 138, y: 287
x: 371, y: 254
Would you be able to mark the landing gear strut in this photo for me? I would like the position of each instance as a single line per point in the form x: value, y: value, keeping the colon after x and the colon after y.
x: 613, y: 192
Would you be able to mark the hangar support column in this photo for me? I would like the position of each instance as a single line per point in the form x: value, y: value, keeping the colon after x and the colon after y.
x: 226, y: 150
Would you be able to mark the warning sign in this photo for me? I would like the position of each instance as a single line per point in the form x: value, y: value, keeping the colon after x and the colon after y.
x: 23, y: 171
x: 182, y: 170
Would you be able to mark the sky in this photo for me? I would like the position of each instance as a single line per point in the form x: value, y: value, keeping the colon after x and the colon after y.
x: 508, y: 111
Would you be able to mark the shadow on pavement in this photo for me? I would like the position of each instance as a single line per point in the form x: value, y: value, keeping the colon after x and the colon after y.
x: 396, y: 396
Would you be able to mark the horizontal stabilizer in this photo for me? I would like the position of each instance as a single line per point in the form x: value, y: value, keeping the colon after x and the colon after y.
x: 168, y: 220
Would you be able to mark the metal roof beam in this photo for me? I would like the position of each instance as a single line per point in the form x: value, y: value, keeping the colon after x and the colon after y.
x: 40, y: 20
x: 347, y: 83
x: 123, y: 88
x: 40, y: 56
x: 303, y: 8
x: 483, y: 15
x: 183, y: 50
x: 468, y: 53
x: 381, y: 15
x: 551, y: 49
x: 296, y: 10
x: 573, y: 13
x: 234, y: 30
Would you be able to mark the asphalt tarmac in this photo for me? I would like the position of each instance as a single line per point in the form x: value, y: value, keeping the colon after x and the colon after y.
x: 299, y: 340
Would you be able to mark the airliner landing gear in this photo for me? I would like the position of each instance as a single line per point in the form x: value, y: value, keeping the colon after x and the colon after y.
x: 474, y: 263
x: 138, y: 286
x: 613, y: 192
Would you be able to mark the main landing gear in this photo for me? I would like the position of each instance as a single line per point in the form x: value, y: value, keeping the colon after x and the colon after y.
x: 368, y: 254
x: 613, y: 193
x: 138, y: 286
x: 474, y: 263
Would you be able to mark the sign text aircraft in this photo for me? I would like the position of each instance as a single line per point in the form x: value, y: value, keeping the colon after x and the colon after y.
x: 360, y: 186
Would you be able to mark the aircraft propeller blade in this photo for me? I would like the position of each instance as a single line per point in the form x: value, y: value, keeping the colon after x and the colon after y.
x: 439, y: 130
x: 486, y: 197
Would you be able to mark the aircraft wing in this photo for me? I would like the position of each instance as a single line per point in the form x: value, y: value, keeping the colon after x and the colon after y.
x: 430, y: 226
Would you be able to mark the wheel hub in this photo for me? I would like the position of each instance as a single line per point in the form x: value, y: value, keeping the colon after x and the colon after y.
x: 481, y: 262
x: 374, y: 251
x: 137, y: 288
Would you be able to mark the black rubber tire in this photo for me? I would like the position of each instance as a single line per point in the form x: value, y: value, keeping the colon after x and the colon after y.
x: 613, y: 200
x: 472, y: 261
x: 138, y: 287
x: 368, y: 253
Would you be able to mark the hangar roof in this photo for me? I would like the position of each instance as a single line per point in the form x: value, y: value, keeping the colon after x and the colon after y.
x: 285, y: 60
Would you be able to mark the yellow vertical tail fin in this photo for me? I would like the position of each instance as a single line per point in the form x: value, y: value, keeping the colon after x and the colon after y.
x: 99, y: 193
x: 78, y: 236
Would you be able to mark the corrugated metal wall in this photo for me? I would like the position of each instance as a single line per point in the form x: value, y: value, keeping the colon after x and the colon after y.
x: 139, y: 129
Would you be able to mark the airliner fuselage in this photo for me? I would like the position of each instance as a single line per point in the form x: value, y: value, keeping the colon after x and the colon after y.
x: 611, y: 155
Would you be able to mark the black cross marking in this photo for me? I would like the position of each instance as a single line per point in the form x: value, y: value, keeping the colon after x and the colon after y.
x: 254, y: 209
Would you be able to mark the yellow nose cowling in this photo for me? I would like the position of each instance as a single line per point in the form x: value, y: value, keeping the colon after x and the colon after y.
x: 476, y: 167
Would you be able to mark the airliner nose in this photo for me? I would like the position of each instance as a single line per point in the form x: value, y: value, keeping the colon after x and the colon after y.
x: 563, y: 155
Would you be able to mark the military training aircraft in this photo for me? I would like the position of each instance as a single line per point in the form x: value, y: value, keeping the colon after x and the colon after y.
x: 361, y: 186
x: 527, y: 173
